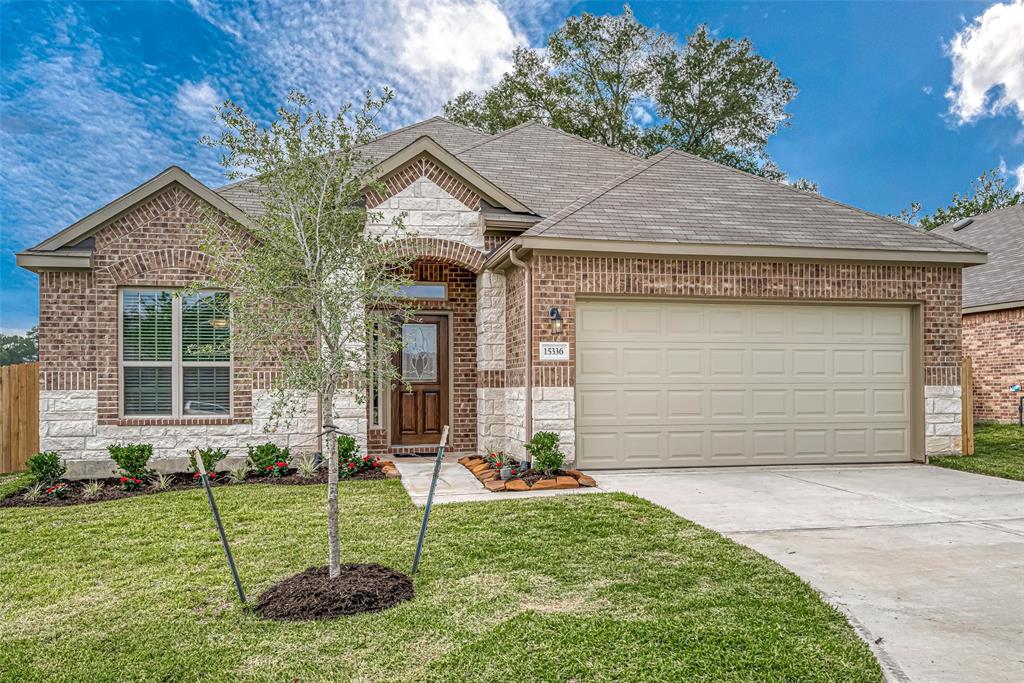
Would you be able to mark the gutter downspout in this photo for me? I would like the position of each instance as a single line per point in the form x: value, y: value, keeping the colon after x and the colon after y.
x: 528, y: 381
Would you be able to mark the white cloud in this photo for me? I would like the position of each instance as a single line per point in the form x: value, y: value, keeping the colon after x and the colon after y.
x: 427, y: 51
x: 926, y: 89
x: 1015, y: 174
x: 458, y: 45
x: 988, y: 65
x: 198, y: 100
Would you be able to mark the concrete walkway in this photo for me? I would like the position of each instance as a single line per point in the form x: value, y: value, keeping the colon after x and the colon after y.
x: 928, y: 563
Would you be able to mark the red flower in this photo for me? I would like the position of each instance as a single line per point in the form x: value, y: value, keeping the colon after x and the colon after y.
x: 196, y: 475
x: 123, y: 479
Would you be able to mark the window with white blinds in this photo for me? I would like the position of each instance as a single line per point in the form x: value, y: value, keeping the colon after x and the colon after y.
x: 175, y: 354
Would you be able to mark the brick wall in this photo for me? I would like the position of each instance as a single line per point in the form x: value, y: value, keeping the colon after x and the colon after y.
x: 558, y: 280
x: 994, y: 341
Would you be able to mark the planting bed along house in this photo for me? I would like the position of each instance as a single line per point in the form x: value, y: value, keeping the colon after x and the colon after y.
x: 498, y: 471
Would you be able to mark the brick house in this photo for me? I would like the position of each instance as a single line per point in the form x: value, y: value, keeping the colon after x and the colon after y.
x: 993, y: 309
x: 658, y: 312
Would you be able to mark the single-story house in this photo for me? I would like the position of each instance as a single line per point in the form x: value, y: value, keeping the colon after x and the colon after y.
x: 993, y: 309
x: 653, y: 312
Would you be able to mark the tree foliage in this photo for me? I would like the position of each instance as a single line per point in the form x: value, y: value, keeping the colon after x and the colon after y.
x: 988, y: 192
x: 314, y: 292
x: 613, y: 80
x: 19, y: 348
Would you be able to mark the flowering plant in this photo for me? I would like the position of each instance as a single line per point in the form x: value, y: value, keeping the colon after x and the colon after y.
x: 355, y: 465
x: 130, y: 483
x: 276, y: 469
x: 58, y: 490
x: 211, y: 475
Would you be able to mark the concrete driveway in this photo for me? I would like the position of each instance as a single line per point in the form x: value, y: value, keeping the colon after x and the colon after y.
x: 927, y: 563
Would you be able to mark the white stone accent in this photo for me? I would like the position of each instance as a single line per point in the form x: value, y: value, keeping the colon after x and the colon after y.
x: 490, y: 419
x: 515, y: 421
x: 942, y: 419
x: 68, y: 424
x: 554, y: 410
x: 429, y: 211
x: 490, y: 321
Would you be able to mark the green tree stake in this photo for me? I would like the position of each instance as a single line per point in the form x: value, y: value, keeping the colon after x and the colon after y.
x: 220, y: 527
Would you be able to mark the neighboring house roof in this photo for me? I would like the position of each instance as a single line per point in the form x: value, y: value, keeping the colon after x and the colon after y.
x: 675, y: 197
x: 545, y: 168
x: 1000, y: 282
x: 72, y: 246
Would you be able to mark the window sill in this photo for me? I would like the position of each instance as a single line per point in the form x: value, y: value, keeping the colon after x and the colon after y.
x: 173, y: 421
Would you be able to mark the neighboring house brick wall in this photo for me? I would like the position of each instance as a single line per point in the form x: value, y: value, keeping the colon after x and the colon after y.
x: 994, y: 341
x: 559, y: 280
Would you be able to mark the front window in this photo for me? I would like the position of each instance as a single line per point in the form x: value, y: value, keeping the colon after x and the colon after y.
x: 175, y: 354
x: 435, y: 291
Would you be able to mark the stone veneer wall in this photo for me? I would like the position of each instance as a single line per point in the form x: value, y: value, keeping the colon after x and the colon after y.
x: 490, y: 354
x: 515, y: 362
x: 994, y: 341
x: 559, y: 280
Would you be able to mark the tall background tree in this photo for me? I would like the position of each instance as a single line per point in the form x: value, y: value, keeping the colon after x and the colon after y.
x: 312, y: 291
x: 19, y: 348
x: 613, y: 80
x: 988, y: 192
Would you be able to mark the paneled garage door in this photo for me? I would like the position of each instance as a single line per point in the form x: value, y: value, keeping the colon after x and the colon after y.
x: 679, y: 384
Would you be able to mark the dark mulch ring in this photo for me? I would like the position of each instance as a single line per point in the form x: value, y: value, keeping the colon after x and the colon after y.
x: 178, y: 481
x: 313, y: 595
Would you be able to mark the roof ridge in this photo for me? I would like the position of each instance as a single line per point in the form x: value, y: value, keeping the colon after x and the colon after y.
x: 585, y: 200
x: 592, y: 142
x: 492, y: 138
x: 820, y: 197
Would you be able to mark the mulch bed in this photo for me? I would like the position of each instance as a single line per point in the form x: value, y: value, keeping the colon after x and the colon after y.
x: 181, y: 481
x: 530, y: 480
x: 313, y: 595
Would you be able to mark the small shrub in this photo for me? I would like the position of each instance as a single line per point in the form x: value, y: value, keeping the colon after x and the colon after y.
x: 92, y: 490
x: 46, y: 467
x: 236, y: 475
x: 356, y: 465
x: 306, y: 468
x: 266, y: 454
x: 131, y: 459
x: 34, y: 492
x: 543, y: 449
x: 58, y: 491
x: 210, y: 456
x: 276, y: 469
x: 162, y: 482
x: 130, y: 483
x: 347, y: 449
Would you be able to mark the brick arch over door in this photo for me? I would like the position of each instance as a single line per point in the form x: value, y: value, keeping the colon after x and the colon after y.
x: 446, y: 251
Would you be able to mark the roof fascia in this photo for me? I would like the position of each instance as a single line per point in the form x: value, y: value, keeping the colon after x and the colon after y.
x: 993, y: 307
x: 97, y: 219
x: 426, y: 145
x: 749, y: 251
x: 64, y: 260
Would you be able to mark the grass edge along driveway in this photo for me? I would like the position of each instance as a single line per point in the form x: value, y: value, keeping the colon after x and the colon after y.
x: 998, y: 452
x: 584, y: 587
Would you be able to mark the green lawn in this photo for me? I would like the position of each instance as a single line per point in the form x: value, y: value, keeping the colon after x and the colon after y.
x: 586, y: 587
x: 998, y: 451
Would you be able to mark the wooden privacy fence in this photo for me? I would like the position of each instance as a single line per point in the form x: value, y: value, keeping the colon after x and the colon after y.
x: 967, y: 404
x: 19, y: 415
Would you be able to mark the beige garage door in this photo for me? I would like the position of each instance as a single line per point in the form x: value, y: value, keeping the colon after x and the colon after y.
x: 677, y: 384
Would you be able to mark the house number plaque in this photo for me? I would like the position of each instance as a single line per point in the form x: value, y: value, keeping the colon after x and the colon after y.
x: 554, y: 350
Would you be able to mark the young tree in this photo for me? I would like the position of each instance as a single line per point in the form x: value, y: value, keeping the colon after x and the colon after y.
x: 613, y: 80
x: 988, y: 193
x: 311, y: 289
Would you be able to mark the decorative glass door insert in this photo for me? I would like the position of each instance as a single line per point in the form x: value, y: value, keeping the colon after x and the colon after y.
x: 419, y: 353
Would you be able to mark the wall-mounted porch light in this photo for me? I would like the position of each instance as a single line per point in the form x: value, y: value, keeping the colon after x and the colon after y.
x: 556, y: 318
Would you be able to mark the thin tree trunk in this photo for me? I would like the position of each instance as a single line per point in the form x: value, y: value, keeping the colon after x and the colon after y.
x: 333, y: 540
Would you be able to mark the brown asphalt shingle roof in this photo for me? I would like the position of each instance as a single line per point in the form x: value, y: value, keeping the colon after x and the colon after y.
x: 545, y: 168
x: 681, y: 198
x: 1001, y: 234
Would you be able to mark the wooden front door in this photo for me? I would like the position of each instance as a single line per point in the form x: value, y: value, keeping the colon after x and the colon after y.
x: 419, y: 403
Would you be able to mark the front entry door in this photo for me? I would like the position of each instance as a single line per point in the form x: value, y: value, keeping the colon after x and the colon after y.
x: 419, y: 404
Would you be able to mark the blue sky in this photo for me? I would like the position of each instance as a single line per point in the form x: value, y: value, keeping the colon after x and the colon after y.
x: 98, y: 97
